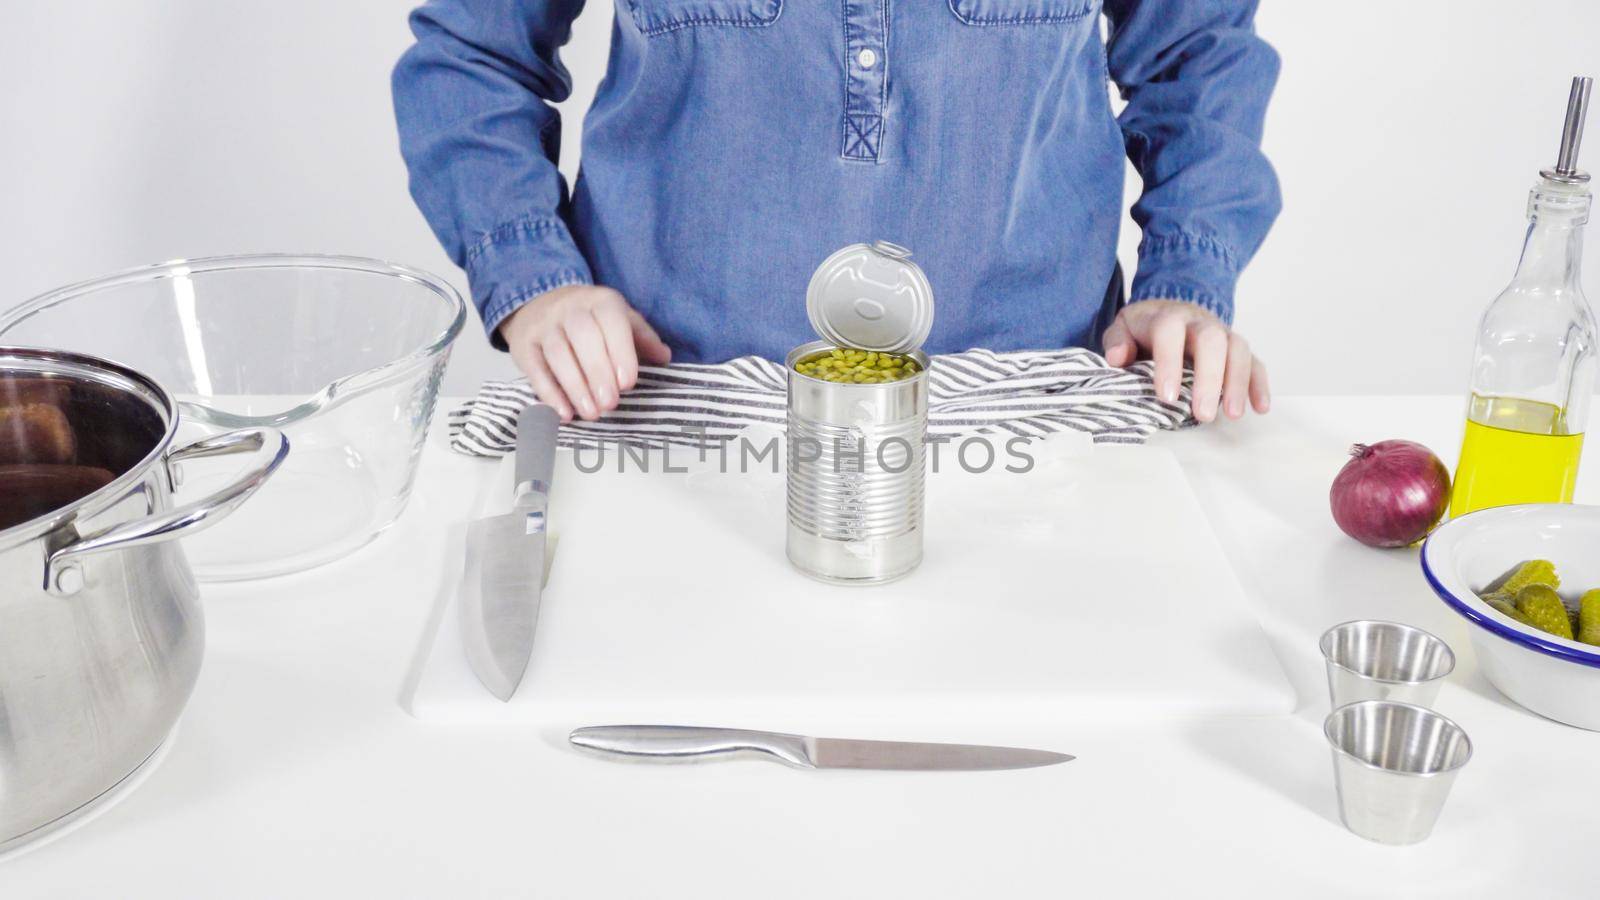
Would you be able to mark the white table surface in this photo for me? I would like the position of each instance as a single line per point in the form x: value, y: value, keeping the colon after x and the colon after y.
x: 296, y: 773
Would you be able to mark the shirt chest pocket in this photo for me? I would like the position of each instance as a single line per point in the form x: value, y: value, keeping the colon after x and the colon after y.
x: 1024, y: 12
x: 657, y: 17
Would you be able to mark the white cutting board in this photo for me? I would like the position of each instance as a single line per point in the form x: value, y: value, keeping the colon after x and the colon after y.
x: 1091, y: 588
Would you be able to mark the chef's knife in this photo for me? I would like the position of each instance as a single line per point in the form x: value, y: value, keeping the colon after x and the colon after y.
x: 680, y: 743
x: 500, y: 586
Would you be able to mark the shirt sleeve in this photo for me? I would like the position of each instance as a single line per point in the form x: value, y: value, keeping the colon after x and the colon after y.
x: 1196, y: 79
x: 473, y: 102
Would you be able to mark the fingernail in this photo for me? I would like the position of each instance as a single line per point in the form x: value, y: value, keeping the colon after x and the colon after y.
x: 606, y: 400
x: 1169, y: 393
x: 587, y: 408
x: 1236, y: 408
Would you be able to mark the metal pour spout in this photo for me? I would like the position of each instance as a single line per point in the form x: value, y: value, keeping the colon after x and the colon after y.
x: 1566, y: 169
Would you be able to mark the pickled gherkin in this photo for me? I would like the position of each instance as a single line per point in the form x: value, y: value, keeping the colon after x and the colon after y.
x: 849, y: 366
x: 1506, y: 608
x: 1528, y: 595
x: 1589, y: 618
x: 1543, y: 609
x: 1534, y: 571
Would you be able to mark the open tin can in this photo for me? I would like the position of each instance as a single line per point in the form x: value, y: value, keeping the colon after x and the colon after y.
x: 857, y: 466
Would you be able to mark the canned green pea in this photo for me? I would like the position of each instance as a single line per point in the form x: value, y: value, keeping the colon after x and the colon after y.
x: 857, y: 366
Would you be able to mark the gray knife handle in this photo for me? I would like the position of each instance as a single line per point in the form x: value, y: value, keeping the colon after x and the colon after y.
x: 683, y: 743
x: 536, y: 448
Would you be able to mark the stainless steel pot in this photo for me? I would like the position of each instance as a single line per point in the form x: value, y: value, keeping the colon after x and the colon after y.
x: 100, y: 625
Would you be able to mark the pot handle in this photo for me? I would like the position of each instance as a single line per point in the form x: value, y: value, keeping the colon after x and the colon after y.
x: 63, y: 574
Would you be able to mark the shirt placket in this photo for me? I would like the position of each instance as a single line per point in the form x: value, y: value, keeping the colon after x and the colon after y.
x: 866, y: 78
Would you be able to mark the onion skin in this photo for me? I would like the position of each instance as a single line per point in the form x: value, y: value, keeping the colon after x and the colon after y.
x: 1390, y: 494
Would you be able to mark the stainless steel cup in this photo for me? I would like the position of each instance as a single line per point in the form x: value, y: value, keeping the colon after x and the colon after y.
x: 1393, y: 765
x: 856, y: 474
x: 1370, y: 660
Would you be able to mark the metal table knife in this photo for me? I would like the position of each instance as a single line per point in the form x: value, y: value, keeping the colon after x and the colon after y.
x: 680, y: 743
x: 499, y: 596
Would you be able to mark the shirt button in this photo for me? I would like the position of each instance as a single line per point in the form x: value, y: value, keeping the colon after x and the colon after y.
x: 867, y: 58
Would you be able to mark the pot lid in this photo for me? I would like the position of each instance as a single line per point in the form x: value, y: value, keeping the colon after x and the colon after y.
x: 871, y: 297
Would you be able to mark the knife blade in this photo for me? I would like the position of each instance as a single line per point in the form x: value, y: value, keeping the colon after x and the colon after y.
x: 504, y: 574
x: 683, y: 743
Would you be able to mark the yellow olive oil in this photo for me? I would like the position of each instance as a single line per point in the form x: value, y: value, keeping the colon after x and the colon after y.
x: 1515, y: 451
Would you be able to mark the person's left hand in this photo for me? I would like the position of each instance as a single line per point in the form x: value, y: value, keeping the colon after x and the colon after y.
x: 1170, y: 331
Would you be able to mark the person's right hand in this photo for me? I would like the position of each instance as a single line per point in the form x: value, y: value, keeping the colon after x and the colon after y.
x: 580, y: 347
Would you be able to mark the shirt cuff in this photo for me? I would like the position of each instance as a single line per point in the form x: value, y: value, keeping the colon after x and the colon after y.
x: 1198, y: 270
x: 518, y: 261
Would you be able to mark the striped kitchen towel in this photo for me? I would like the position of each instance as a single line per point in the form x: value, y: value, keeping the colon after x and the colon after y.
x: 1027, y: 393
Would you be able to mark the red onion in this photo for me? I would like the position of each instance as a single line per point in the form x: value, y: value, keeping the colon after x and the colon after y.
x: 1390, y: 494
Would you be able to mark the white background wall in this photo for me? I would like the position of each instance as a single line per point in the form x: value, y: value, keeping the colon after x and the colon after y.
x: 1406, y: 133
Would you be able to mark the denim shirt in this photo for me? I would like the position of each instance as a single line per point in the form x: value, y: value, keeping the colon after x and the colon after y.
x: 734, y: 144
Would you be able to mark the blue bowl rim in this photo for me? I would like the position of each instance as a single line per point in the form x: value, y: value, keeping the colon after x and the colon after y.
x: 1548, y: 646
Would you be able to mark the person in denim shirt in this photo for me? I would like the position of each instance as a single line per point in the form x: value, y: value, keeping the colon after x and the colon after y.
x: 734, y: 144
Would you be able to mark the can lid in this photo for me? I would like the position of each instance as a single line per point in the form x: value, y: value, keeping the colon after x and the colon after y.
x: 871, y: 297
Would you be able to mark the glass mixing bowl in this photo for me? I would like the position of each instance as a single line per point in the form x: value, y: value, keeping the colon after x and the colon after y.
x: 344, y: 355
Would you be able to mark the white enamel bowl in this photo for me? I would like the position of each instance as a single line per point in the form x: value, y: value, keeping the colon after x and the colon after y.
x: 1556, y: 678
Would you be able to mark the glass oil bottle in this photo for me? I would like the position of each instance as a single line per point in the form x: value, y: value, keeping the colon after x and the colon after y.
x: 1533, y: 370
